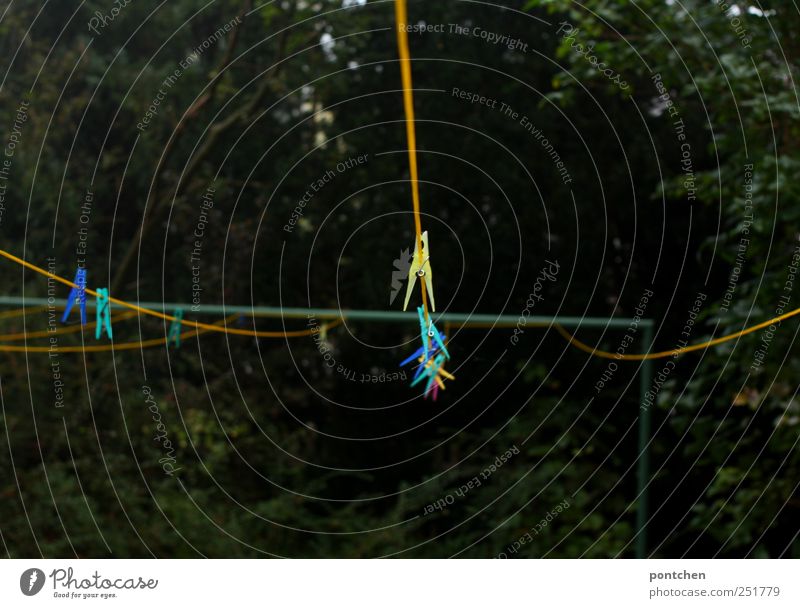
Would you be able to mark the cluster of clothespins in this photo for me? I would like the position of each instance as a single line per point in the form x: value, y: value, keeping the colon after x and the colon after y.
x: 431, y: 357
x: 77, y: 296
x: 433, y: 353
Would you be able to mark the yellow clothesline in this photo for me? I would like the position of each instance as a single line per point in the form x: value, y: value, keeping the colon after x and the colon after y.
x: 401, y: 15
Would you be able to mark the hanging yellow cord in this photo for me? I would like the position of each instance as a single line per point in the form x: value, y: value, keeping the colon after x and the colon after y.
x: 401, y: 15
x: 160, y: 315
x: 10, y: 314
x: 675, y: 351
x: 604, y: 354
x: 97, y: 348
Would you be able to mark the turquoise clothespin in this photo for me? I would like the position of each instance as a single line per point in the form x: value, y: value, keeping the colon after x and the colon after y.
x: 77, y: 296
x: 437, y: 337
x: 103, y: 313
x: 431, y: 337
x: 174, y: 335
x: 437, y: 364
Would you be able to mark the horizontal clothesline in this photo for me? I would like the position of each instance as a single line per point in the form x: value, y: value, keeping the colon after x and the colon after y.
x: 464, y: 319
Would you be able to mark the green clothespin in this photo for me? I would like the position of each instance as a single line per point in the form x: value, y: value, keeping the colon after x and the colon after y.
x: 103, y: 313
x: 174, y: 335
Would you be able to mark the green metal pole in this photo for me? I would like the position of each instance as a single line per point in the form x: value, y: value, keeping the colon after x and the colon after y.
x: 643, y: 469
x: 333, y: 313
x: 645, y: 379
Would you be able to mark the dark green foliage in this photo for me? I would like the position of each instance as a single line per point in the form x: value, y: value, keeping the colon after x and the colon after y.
x: 280, y: 454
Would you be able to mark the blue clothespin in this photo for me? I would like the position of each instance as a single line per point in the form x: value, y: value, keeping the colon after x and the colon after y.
x: 434, y: 371
x: 421, y: 371
x: 77, y: 296
x: 416, y: 355
x: 428, y: 370
x: 103, y: 313
x: 174, y: 335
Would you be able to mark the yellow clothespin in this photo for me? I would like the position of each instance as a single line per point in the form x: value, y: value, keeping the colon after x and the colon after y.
x: 421, y: 267
x: 441, y: 372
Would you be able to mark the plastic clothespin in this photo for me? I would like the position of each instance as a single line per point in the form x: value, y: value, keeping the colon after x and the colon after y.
x: 423, y: 372
x: 103, y: 313
x: 435, y: 336
x: 431, y: 337
x: 422, y: 369
x: 433, y: 377
x: 434, y: 371
x: 174, y: 335
x: 433, y: 388
x: 421, y: 267
x: 429, y: 370
x: 77, y: 296
x: 416, y: 355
